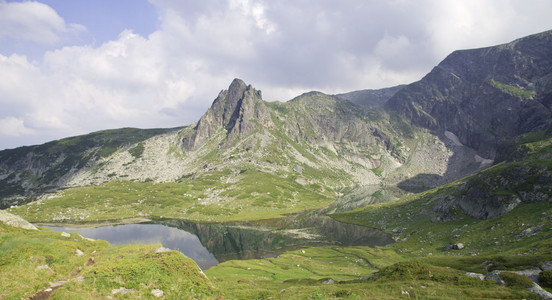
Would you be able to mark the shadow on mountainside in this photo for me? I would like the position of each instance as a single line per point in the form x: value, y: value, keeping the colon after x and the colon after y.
x: 462, y: 163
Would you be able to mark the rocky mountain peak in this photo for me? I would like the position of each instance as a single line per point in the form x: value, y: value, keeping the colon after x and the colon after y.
x: 238, y: 110
x: 484, y: 95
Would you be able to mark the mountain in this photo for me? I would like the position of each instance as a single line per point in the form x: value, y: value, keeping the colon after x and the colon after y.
x: 484, y: 96
x: 370, y: 97
x: 245, y: 153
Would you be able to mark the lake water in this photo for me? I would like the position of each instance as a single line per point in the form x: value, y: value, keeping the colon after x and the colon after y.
x: 210, y: 244
x: 169, y: 237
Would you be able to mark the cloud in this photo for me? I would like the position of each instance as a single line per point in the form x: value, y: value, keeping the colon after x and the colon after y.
x: 169, y: 77
x: 33, y: 21
x: 12, y: 126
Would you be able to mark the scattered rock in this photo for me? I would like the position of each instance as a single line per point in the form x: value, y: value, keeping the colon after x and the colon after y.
x: 303, y: 251
x: 162, y: 249
x: 495, y: 275
x: 281, y: 291
x: 157, y: 293
x: 65, y: 234
x: 122, y: 291
x: 537, y: 289
x: 475, y: 275
x: 529, y: 231
x: 299, y: 169
x: 15, y: 221
x: 546, y: 266
x: 329, y: 281
x: 532, y: 274
x: 457, y: 246
x: 42, y: 267
x: 79, y: 252
x: 90, y: 261
x: 58, y: 284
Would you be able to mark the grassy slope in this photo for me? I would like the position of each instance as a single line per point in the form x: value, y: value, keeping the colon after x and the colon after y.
x: 261, y: 196
x: 135, y: 267
x: 417, y: 264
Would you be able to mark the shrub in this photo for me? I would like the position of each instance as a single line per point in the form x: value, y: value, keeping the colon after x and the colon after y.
x: 516, y: 280
x: 545, y: 279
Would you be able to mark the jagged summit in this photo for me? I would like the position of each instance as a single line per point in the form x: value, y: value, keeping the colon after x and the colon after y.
x: 233, y: 110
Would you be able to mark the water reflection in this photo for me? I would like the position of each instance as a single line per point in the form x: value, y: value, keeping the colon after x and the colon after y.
x: 209, y: 244
x: 271, y: 237
x: 169, y: 237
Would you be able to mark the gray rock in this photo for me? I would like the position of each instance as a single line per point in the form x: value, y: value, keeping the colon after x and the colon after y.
x: 122, y: 291
x: 546, y: 266
x: 15, y: 221
x: 157, y: 293
x: 529, y: 231
x: 532, y: 274
x: 79, y: 252
x: 537, y: 289
x: 65, y: 234
x: 329, y: 281
x: 458, y: 246
x: 299, y: 169
x: 162, y: 249
x: 475, y: 275
x: 495, y: 275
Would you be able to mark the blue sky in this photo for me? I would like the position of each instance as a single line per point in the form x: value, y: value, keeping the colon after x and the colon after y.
x: 71, y: 67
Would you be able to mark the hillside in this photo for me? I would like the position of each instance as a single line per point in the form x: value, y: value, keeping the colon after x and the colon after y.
x: 468, y: 148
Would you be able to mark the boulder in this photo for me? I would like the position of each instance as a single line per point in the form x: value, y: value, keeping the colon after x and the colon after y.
x: 543, y: 294
x: 495, y: 275
x: 15, y: 221
x: 157, y: 293
x: 475, y: 275
x: 546, y: 266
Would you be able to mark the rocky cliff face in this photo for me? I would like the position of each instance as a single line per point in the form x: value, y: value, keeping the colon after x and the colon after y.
x: 484, y: 95
x: 238, y: 110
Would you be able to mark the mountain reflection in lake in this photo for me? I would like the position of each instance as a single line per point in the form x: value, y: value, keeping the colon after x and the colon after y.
x: 208, y: 244
x: 169, y: 237
x: 268, y: 238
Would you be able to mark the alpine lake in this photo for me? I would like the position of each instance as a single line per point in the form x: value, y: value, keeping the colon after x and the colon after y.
x: 209, y: 244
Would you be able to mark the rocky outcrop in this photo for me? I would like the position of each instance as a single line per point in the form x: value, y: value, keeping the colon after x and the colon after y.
x: 238, y: 110
x: 484, y: 95
x: 15, y: 221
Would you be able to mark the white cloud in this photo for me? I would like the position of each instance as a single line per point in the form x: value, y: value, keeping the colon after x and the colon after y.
x: 33, y: 21
x: 285, y: 48
x: 12, y: 126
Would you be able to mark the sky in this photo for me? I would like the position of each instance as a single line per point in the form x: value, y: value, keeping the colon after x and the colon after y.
x: 73, y: 67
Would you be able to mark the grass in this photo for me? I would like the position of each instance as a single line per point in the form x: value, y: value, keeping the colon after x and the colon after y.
x: 204, y: 198
x: 513, y: 90
x: 30, y: 260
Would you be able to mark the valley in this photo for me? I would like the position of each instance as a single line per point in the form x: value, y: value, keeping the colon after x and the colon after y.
x: 440, y: 189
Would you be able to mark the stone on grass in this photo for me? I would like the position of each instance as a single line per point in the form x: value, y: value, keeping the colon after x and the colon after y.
x: 122, y: 291
x: 79, y: 252
x: 495, y: 275
x: 65, y: 234
x: 475, y: 275
x: 162, y: 249
x: 546, y: 266
x: 543, y: 294
x: 157, y: 293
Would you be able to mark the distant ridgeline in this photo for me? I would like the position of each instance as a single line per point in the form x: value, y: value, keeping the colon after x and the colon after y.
x: 471, y: 111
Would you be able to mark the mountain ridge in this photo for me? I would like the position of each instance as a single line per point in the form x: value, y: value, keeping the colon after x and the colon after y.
x: 420, y: 135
